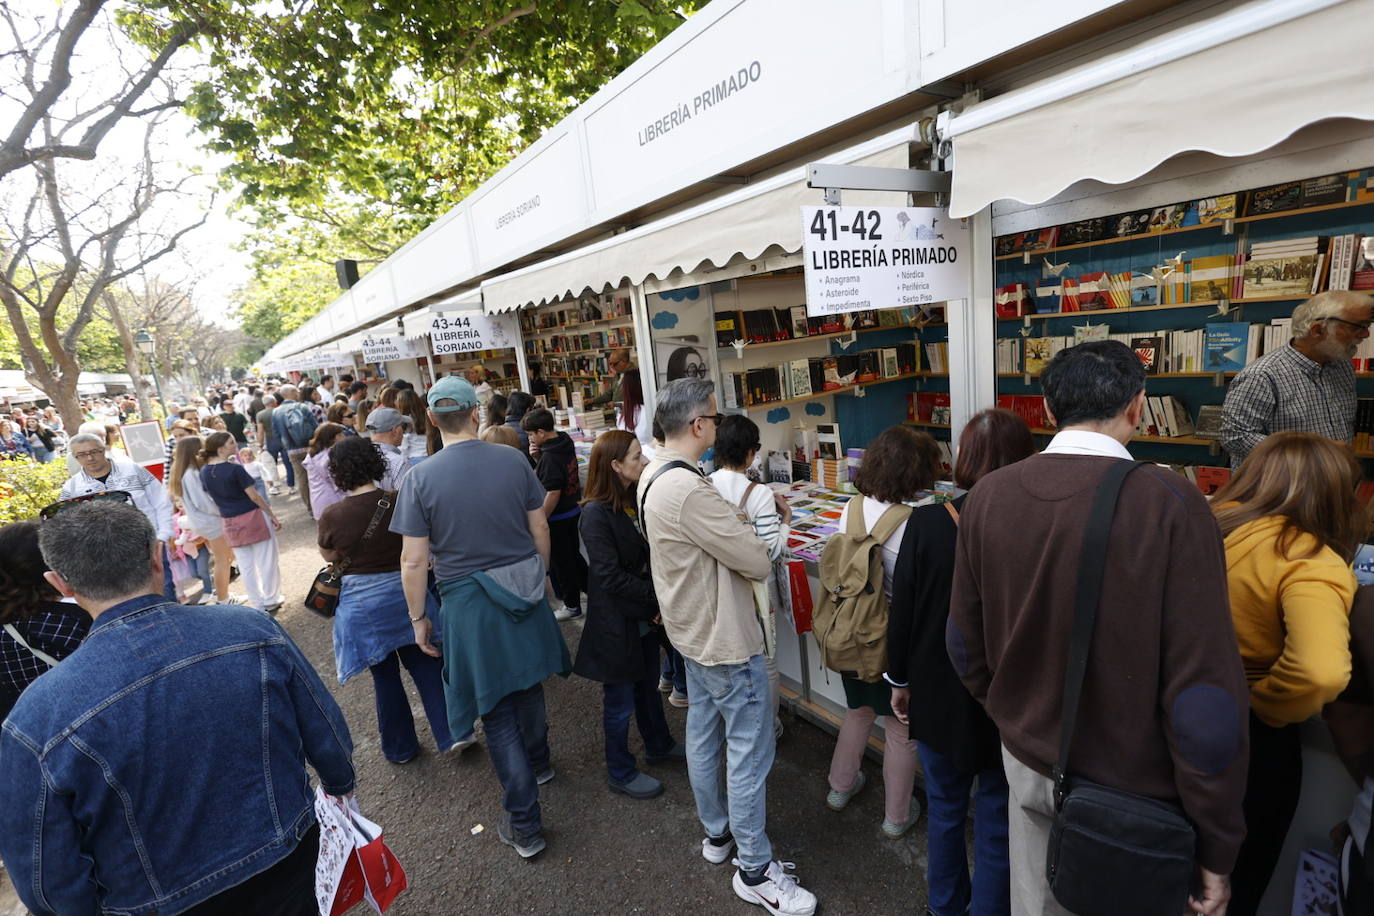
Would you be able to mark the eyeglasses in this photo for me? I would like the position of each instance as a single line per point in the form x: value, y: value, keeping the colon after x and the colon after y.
x: 112, y: 496
x: 89, y: 454
x: 713, y: 417
x: 1357, y: 325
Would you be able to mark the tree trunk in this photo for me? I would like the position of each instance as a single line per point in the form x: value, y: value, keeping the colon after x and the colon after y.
x: 126, y: 340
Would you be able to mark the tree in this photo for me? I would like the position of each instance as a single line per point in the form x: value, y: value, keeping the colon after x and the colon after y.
x: 64, y: 243
x: 45, y: 47
x: 407, y: 104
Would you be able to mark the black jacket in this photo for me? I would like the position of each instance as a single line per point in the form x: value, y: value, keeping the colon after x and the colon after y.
x: 943, y: 713
x: 620, y: 594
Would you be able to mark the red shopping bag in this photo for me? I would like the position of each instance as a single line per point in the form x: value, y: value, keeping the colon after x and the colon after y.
x: 355, y: 863
x: 799, y: 591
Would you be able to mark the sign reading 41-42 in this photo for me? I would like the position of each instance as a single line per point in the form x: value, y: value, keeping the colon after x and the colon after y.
x: 860, y: 258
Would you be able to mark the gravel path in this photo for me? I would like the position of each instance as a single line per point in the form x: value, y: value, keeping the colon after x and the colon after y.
x: 607, y: 853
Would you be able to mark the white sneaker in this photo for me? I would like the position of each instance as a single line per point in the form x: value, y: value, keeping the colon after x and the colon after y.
x: 779, y: 894
x: 566, y: 613
x: 717, y: 853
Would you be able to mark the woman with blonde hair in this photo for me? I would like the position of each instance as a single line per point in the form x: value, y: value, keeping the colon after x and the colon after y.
x: 1292, y: 525
x: 501, y: 435
x: 246, y: 517
x: 414, y: 447
x: 183, y: 482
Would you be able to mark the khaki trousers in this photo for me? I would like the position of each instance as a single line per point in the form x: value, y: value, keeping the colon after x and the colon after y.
x: 1030, y: 814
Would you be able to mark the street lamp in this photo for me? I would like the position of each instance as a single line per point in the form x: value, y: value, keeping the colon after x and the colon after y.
x: 144, y: 342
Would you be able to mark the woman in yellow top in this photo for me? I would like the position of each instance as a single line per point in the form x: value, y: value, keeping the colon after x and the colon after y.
x: 1292, y: 526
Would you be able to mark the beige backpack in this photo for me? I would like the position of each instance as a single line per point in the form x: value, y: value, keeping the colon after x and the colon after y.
x: 850, y: 620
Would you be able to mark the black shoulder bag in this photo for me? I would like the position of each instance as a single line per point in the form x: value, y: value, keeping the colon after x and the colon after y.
x: 644, y: 494
x: 1111, y: 852
x: 323, y: 597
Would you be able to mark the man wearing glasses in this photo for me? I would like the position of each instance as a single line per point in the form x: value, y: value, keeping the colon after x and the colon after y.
x: 705, y: 562
x: 101, y: 471
x: 1308, y: 384
x: 618, y: 364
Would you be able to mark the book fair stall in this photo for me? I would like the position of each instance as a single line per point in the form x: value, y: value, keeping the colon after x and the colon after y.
x: 1195, y: 260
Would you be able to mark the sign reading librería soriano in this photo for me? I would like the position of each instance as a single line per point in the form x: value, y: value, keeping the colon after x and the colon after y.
x: 860, y: 258
x: 467, y: 332
x: 383, y: 348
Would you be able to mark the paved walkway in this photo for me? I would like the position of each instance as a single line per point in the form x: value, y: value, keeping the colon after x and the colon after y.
x: 607, y: 853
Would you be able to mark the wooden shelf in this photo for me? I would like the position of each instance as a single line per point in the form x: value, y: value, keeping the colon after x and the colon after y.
x: 1147, y: 377
x: 825, y: 394
x: 837, y: 334
x: 1205, y: 304
x: 929, y: 425
x: 615, y: 322
x: 1261, y: 217
x: 1160, y: 440
x: 547, y: 354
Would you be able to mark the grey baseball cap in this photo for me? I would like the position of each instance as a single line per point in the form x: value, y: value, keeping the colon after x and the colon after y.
x: 386, y: 418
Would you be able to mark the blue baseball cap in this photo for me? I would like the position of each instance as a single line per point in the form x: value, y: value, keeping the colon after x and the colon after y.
x: 457, y: 390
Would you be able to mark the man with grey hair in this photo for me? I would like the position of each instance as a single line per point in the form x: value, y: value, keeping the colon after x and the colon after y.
x: 293, y: 425
x: 1308, y: 384
x: 619, y: 364
x: 98, y: 471
x: 705, y: 562
x: 272, y: 449
x: 221, y: 699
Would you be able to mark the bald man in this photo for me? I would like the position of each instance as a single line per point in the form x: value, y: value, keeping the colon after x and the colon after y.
x: 619, y: 363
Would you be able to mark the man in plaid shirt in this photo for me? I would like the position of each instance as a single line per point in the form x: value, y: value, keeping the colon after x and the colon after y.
x: 1308, y: 384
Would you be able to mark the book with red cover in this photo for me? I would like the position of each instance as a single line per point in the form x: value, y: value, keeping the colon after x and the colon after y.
x: 1093, y: 291
x: 1069, y: 300
x: 1210, y: 479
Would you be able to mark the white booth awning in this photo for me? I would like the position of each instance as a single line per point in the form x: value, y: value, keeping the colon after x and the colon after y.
x: 417, y: 323
x: 746, y: 222
x: 1232, y: 85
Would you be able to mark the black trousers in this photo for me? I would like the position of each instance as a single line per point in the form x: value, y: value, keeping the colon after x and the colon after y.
x: 285, y: 889
x: 565, y: 557
x: 1271, y: 798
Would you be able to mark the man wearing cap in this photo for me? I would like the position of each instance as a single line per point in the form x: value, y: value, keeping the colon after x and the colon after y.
x: 501, y: 639
x: 387, y: 427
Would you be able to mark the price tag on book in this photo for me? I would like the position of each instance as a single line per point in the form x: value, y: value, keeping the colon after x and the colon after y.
x: 860, y: 258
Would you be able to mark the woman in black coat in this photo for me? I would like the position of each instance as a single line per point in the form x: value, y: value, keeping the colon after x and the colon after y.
x: 955, y: 739
x: 620, y: 638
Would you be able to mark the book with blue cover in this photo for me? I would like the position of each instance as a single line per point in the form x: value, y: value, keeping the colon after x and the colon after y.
x: 1225, y: 347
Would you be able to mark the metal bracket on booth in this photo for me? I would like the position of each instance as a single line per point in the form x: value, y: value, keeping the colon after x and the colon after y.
x: 833, y: 179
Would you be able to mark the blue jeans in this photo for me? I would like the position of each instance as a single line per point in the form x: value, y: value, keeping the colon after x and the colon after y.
x: 200, y: 563
x: 278, y: 452
x: 169, y: 585
x: 518, y: 744
x: 643, y: 700
x: 394, y: 721
x: 730, y: 713
x: 675, y: 669
x: 947, y: 799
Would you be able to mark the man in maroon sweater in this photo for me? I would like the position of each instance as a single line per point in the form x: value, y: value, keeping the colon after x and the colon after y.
x: 1164, y: 702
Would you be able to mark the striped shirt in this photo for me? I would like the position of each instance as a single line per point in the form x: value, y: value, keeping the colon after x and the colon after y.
x: 1285, y: 390
x: 761, y: 511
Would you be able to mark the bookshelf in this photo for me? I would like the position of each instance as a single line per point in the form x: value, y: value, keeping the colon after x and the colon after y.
x: 1137, y: 254
x: 845, y: 389
x: 572, y: 340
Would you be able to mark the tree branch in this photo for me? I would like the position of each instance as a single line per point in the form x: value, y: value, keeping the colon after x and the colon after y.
x: 485, y: 31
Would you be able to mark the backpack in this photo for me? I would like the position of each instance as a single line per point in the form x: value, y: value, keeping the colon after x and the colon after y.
x: 850, y: 619
x: 297, y: 424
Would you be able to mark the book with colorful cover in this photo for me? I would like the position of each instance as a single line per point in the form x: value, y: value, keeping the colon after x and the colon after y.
x: 1208, y: 424
x: 1210, y: 277
x: 1274, y: 199
x: 1210, y: 480
x: 1216, y: 209
x: 1224, y: 345
x: 1083, y: 231
x: 1068, y: 301
x: 1038, y: 353
x: 1144, y: 292
x: 1087, y: 332
x: 1093, y: 291
x: 1148, y: 350
x: 1280, y: 276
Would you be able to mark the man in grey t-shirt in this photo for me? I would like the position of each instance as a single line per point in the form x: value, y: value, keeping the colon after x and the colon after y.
x: 477, y: 509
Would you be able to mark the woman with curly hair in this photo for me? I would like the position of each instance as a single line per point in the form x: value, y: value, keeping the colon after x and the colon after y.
x: 39, y: 629
x: 371, y: 626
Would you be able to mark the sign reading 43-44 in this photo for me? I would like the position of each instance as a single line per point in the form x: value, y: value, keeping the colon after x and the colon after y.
x: 860, y: 258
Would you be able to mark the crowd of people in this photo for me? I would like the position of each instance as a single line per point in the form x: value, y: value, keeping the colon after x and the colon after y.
x: 1221, y: 625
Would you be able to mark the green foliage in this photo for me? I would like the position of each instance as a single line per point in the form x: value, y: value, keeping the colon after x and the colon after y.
x: 411, y: 104
x: 27, y: 486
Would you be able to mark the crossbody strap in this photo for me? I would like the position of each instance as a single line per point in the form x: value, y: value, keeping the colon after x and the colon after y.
x: 38, y: 653
x: 383, y: 503
x: 644, y: 494
x: 1090, y: 573
x: 744, y: 500
x: 953, y: 513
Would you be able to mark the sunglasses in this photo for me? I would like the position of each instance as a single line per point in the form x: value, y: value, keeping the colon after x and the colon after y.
x: 109, y: 496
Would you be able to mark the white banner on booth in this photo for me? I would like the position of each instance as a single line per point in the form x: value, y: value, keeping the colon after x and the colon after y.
x: 464, y: 332
x: 860, y: 258
x: 381, y: 348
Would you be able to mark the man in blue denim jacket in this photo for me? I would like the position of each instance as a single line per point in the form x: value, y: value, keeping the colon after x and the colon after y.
x: 161, y: 766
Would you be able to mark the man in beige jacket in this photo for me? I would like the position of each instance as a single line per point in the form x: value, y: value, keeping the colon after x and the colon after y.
x: 704, y: 559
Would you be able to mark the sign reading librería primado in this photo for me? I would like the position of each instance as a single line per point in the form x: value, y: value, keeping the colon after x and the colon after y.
x: 859, y: 258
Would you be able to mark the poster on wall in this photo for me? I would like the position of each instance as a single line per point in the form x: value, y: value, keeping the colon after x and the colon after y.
x: 381, y: 348
x: 860, y: 258
x: 143, y: 442
x: 465, y: 332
